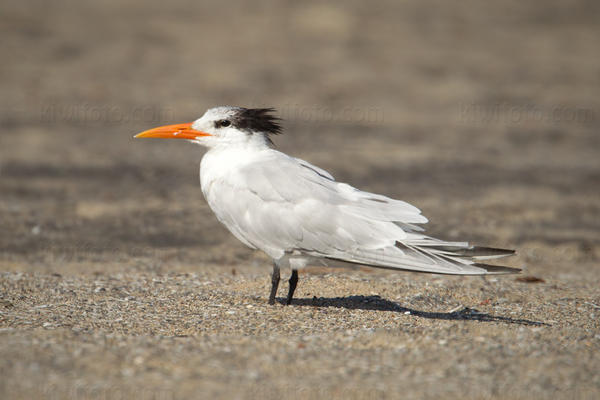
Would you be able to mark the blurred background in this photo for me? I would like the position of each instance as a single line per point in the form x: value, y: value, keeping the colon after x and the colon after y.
x: 484, y: 115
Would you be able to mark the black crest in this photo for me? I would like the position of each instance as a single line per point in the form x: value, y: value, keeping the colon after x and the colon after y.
x: 258, y: 120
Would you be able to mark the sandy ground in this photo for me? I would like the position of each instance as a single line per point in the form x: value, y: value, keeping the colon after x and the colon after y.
x: 117, y: 282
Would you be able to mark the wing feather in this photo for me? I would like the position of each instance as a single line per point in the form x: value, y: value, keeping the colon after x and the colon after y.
x: 281, y: 204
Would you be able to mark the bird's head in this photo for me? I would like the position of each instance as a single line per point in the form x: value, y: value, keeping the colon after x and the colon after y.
x: 223, y: 126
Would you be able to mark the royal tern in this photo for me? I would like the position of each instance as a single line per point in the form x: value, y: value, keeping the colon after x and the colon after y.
x: 298, y: 214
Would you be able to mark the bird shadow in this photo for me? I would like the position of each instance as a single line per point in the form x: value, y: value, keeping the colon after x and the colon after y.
x: 376, y: 303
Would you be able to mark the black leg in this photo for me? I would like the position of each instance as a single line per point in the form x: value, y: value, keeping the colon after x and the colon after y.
x: 293, y: 283
x: 274, y: 283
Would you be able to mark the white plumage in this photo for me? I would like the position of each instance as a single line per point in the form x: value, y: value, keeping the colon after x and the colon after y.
x: 298, y: 214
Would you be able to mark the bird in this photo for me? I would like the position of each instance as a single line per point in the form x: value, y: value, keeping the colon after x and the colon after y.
x: 299, y: 215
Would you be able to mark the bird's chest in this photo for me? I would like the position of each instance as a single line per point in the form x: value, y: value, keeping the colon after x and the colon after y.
x: 221, y: 167
x: 226, y: 191
x: 216, y: 175
x: 223, y: 182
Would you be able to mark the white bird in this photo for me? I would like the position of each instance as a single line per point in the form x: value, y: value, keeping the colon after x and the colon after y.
x: 298, y: 214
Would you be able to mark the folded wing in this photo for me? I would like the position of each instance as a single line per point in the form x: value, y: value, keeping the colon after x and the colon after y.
x: 285, y: 205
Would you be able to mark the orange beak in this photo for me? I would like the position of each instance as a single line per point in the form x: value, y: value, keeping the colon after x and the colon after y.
x: 177, y: 131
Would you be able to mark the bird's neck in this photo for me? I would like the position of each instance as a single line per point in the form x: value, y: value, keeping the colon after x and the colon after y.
x: 250, y: 142
x: 225, y: 158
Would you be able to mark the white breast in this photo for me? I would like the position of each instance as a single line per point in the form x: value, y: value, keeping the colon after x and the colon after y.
x: 224, y: 191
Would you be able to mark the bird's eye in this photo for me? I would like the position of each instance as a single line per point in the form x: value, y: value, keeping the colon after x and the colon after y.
x: 224, y: 123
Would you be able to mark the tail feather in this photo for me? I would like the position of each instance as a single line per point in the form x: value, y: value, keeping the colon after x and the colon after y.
x: 475, y: 252
x: 431, y: 256
x: 498, y: 269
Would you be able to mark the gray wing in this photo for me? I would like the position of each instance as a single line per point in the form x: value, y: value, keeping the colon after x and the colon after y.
x: 282, y: 205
